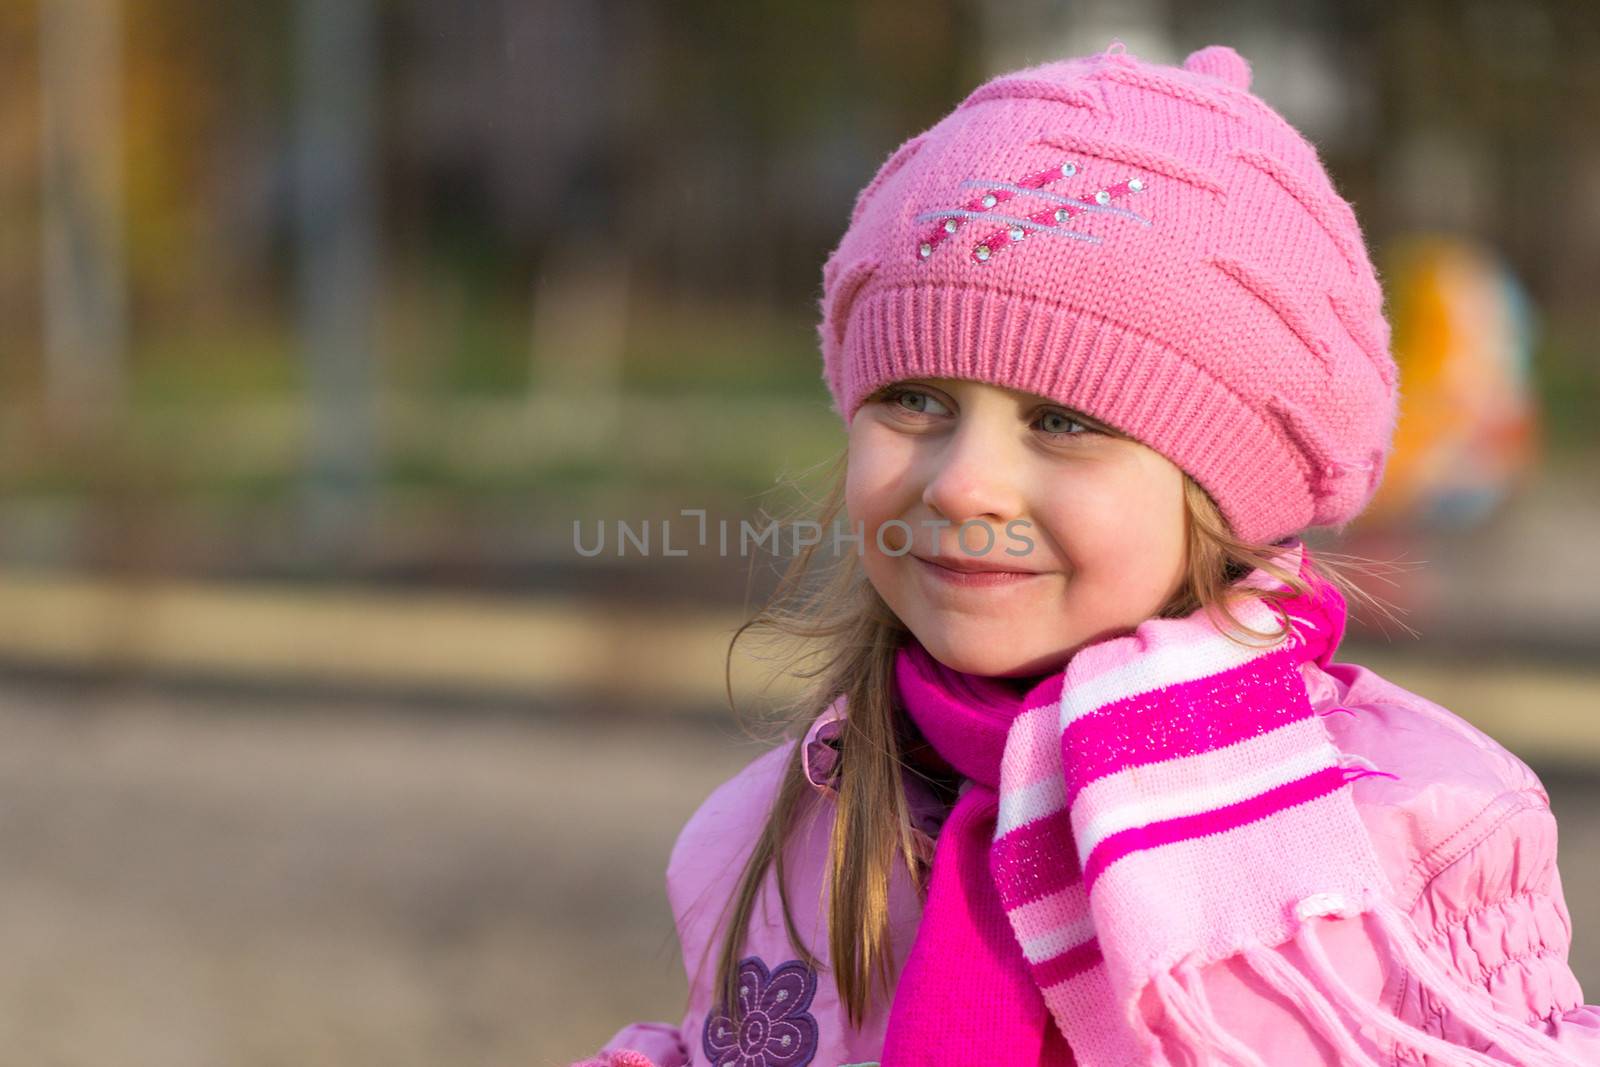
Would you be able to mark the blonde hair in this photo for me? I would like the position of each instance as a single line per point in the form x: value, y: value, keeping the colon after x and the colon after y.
x: 851, y: 637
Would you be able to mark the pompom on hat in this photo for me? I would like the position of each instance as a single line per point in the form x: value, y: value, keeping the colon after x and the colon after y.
x: 1150, y: 245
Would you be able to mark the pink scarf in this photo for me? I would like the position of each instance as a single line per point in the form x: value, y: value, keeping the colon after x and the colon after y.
x: 1168, y: 800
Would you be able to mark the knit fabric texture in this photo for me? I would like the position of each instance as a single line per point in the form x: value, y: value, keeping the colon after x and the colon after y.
x: 1149, y: 245
x: 1170, y: 799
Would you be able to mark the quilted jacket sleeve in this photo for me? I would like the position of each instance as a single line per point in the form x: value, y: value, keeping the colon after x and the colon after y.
x: 1489, y: 905
x: 1495, y: 911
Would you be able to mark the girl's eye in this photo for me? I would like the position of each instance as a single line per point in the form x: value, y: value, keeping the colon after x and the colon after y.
x: 918, y: 402
x: 1061, y: 418
x: 1056, y: 424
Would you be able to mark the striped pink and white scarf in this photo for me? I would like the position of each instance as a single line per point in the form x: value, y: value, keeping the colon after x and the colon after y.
x: 1168, y: 800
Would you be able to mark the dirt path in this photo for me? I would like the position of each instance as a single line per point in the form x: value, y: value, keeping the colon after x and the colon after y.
x: 305, y: 886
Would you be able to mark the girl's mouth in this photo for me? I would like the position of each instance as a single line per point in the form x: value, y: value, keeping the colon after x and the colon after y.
x: 973, y: 579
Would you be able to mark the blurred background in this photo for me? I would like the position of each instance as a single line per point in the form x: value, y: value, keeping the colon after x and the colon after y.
x: 326, y: 327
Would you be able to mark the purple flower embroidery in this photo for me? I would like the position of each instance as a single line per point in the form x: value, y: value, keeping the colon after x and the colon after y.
x: 776, y: 1029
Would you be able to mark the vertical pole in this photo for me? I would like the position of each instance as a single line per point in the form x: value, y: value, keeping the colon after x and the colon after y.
x: 336, y: 239
x: 85, y: 303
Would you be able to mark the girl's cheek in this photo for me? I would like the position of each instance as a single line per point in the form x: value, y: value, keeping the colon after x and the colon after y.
x: 875, y: 476
x: 861, y: 489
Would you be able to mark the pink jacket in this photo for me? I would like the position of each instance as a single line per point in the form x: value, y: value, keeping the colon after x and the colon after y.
x: 1465, y: 832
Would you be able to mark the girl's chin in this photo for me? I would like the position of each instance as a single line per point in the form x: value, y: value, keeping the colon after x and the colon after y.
x: 980, y: 655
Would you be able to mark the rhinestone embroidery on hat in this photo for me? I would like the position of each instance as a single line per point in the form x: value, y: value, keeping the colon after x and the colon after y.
x: 1049, y: 221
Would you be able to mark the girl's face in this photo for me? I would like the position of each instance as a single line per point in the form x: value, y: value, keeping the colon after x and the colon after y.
x: 1089, y: 524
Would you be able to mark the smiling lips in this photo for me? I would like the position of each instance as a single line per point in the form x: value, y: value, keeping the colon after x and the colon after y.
x: 970, y: 571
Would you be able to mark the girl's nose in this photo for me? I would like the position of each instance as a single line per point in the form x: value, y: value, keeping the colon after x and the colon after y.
x: 974, y: 477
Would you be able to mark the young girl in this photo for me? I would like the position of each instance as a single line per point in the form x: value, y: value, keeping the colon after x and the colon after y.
x: 1087, y: 785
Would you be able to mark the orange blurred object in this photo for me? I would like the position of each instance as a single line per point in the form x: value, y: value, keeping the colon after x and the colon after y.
x: 1468, y: 429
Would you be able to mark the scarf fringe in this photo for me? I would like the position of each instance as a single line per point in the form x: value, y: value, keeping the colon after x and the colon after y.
x: 1404, y: 1034
x: 1189, y: 975
x: 1202, y: 1036
x: 1287, y: 979
x: 1404, y: 943
x: 1184, y: 1020
x: 1196, y: 1030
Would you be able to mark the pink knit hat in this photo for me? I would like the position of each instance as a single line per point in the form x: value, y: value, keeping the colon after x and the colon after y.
x: 1152, y: 246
